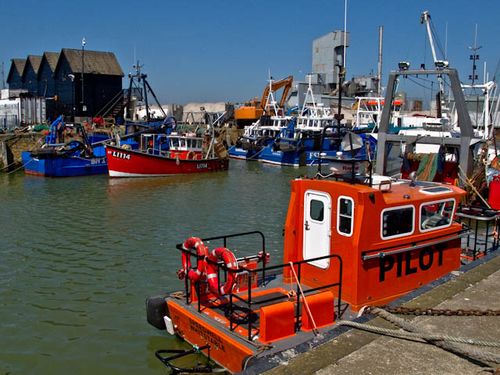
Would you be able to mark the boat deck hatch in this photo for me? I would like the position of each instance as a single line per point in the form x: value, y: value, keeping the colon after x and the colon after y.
x: 435, y: 190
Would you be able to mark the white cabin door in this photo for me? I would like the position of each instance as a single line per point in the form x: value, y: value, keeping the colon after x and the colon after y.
x: 316, y: 227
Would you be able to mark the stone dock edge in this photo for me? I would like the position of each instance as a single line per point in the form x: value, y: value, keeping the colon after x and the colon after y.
x: 310, y: 357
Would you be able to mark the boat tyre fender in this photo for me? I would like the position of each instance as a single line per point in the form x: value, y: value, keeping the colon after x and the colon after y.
x: 194, y: 274
x: 230, y: 261
x: 156, y: 309
x: 190, y: 155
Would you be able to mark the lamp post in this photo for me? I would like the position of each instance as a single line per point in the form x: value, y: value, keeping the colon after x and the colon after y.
x: 72, y: 79
x: 84, y: 108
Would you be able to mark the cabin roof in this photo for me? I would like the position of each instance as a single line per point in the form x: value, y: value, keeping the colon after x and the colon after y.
x: 94, y: 62
x: 403, y: 193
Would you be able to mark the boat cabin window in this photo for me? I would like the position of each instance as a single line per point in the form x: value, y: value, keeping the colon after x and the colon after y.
x: 345, y: 215
x: 397, y: 222
x: 174, y: 142
x: 435, y: 215
x: 317, y: 209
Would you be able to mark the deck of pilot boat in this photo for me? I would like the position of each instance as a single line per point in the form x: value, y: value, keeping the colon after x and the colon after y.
x: 474, y: 286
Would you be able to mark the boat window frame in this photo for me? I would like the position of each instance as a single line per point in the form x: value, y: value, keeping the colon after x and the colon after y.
x: 434, y: 202
x: 343, y: 215
x: 322, y: 211
x: 400, y: 234
x: 174, y: 143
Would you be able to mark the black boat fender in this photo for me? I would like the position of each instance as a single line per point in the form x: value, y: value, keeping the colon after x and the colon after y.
x: 156, y: 309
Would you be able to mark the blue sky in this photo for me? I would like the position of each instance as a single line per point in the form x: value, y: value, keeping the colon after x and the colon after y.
x: 221, y: 50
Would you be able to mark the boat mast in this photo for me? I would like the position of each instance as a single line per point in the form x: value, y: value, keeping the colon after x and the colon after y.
x: 309, y: 101
x: 341, y: 67
x: 379, y: 65
x: 270, y: 101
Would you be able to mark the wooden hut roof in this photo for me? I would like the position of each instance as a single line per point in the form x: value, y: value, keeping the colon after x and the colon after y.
x: 16, y: 64
x: 51, y: 58
x: 95, y: 62
x: 34, y: 61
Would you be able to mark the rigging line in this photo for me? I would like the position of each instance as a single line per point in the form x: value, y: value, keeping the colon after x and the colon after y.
x: 419, y: 84
x: 425, y: 47
x: 428, y: 80
x: 436, y: 39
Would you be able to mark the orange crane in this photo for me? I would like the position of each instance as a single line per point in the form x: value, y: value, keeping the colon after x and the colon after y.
x: 254, y: 109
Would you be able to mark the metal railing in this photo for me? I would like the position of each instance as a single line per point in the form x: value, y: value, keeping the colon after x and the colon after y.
x: 220, y: 265
x: 9, y: 122
x: 248, y: 300
x: 477, y: 244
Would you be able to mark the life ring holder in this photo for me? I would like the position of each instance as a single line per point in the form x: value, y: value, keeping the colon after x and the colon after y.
x: 231, y: 263
x: 193, y: 274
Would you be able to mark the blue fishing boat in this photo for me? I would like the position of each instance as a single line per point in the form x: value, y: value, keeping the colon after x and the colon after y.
x: 266, y: 129
x: 81, y: 155
x: 259, y: 136
x: 300, y: 142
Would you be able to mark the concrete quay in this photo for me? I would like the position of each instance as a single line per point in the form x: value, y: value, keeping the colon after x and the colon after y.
x: 475, y: 286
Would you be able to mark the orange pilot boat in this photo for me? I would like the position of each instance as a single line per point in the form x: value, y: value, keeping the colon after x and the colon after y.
x: 351, y: 239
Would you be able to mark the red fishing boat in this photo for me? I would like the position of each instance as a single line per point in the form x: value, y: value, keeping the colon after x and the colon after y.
x: 350, y: 240
x: 166, y: 155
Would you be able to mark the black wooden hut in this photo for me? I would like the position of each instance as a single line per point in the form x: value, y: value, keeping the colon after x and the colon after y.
x: 14, y: 78
x: 46, y: 81
x: 30, y: 74
x: 100, y: 73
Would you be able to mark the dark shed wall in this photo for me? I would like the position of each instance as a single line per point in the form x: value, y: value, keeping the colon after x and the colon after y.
x: 30, y: 81
x: 99, y: 90
x: 46, y: 83
x: 15, y: 80
x: 64, y: 88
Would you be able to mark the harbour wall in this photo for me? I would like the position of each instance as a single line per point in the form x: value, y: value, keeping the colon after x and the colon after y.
x: 11, y: 146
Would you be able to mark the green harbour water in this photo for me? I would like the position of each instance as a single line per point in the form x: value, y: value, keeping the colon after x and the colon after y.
x: 79, y: 256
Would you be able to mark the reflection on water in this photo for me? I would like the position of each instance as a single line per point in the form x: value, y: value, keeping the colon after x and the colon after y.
x: 78, y: 257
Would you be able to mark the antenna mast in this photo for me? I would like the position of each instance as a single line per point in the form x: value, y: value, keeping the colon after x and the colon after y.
x: 379, y: 65
x: 3, y: 76
x: 474, y: 57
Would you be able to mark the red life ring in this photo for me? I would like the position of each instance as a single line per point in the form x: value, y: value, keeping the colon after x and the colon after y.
x: 227, y: 256
x: 194, y: 274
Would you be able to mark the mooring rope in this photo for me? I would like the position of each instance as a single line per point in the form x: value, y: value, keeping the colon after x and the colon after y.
x: 315, y: 329
x: 8, y: 166
x: 418, y: 336
x: 22, y: 166
x: 475, y: 354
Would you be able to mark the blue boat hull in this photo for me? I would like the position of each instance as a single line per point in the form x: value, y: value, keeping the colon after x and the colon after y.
x: 309, y: 156
x: 291, y: 158
x: 64, y: 166
x: 239, y: 153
